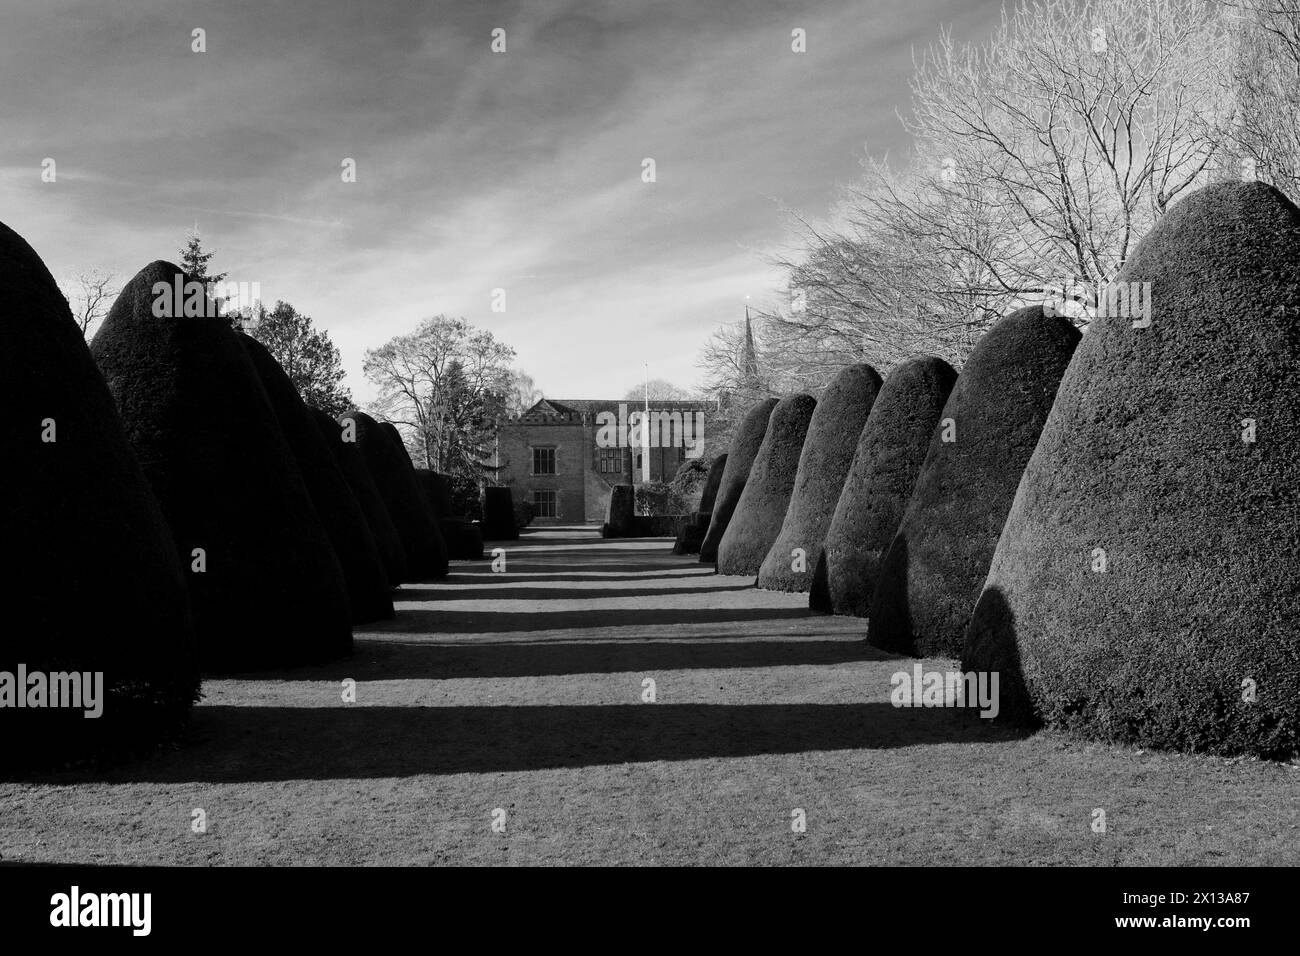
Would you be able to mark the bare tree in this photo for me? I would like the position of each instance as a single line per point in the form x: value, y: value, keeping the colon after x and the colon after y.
x: 1040, y: 158
x: 1266, y: 80
x: 446, y: 382
x: 523, y: 392
x: 660, y: 390
x: 93, y: 292
x: 727, y: 378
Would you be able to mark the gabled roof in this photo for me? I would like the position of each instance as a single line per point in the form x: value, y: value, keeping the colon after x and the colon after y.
x: 576, y: 409
x: 549, y: 406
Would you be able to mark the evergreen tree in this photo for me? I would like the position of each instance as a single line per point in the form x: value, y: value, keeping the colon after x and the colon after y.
x: 306, y: 354
x: 195, y: 261
x: 469, y: 424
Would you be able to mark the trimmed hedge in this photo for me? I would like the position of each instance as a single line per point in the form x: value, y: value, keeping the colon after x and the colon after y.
x: 92, y: 579
x: 396, y: 436
x: 879, y: 485
x: 657, y: 526
x: 619, y: 512
x: 766, y: 495
x: 438, y: 490
x: 432, y: 490
x: 740, y: 459
x: 394, y: 475
x: 362, y: 484
x: 1144, y: 458
x: 687, y: 484
x: 354, y: 544
x: 499, y: 515
x: 937, y: 562
x: 712, y: 483
x: 463, y: 539
x: 690, y: 535
x: 823, y: 465
x: 524, y: 514
x: 272, y: 593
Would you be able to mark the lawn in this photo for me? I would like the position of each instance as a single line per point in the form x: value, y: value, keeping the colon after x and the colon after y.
x: 522, y: 692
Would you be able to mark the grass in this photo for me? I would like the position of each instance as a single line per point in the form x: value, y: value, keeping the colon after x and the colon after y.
x: 522, y: 691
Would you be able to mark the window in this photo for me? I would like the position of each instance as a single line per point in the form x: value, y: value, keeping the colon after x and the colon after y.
x: 544, y: 504
x: 611, y: 461
x: 543, y: 461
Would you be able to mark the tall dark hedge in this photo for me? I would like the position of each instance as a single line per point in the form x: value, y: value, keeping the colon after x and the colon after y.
x: 273, y: 593
x: 354, y: 544
x: 740, y: 459
x: 937, y: 562
x: 394, y: 475
x: 879, y: 485
x: 429, y: 503
x: 1197, y: 608
x: 691, y: 535
x: 92, y: 580
x: 463, y: 539
x: 691, y: 532
x: 391, y: 431
x: 357, y: 474
x: 766, y: 495
x: 428, y: 482
x: 619, y: 511
x: 499, y: 515
x: 437, y: 489
x: 712, y: 483
x: 823, y: 465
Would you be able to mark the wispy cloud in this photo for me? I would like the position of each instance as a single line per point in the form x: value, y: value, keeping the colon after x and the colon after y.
x: 475, y: 170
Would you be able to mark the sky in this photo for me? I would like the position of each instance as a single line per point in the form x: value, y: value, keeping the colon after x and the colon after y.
x: 475, y: 170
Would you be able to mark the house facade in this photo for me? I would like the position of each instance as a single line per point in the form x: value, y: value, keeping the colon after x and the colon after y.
x: 565, y: 455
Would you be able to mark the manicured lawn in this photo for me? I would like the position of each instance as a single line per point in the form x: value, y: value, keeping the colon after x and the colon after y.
x: 523, y: 691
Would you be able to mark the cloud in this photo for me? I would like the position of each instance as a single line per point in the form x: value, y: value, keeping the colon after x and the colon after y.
x: 475, y: 170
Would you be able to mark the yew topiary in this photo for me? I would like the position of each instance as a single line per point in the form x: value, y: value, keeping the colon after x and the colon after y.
x: 879, y: 485
x: 740, y: 459
x: 1146, y: 588
x: 932, y: 575
x: 823, y: 465
x: 766, y: 496
x: 264, y: 581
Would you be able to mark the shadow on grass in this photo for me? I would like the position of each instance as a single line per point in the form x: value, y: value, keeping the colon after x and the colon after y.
x: 559, y: 565
x: 540, y: 575
x: 404, y: 660
x: 421, y: 621
x: 250, y: 744
x: 542, y: 591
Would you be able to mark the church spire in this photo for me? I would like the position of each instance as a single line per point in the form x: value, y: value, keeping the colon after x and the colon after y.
x: 749, y: 360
